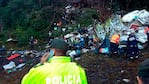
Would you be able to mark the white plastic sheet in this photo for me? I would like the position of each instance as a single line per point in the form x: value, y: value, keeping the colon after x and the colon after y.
x: 11, y: 65
x: 141, y: 15
x: 130, y: 16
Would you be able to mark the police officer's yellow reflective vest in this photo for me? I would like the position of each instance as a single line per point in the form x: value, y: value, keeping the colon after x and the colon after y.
x: 60, y: 70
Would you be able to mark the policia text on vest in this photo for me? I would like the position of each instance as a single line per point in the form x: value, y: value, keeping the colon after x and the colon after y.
x: 67, y: 79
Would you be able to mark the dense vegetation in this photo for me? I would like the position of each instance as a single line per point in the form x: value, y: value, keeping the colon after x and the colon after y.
x: 21, y: 19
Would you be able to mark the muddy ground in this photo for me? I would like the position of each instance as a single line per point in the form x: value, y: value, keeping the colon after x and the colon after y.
x: 100, y: 69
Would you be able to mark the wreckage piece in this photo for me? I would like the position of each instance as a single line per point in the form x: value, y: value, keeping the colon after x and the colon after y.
x: 130, y: 16
x: 141, y: 15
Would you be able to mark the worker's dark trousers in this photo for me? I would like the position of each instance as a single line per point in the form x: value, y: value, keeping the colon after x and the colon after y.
x: 113, y: 48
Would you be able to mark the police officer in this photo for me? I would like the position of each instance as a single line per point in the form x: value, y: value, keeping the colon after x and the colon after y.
x: 56, y: 68
x: 132, y: 47
x: 143, y: 72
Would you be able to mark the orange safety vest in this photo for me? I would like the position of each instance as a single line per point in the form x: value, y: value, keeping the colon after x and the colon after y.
x: 115, y: 38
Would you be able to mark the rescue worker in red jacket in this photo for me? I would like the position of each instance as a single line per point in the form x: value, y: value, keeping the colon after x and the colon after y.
x: 147, y: 33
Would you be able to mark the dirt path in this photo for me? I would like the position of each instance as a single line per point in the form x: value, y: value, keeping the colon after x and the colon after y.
x: 111, y: 70
x: 99, y: 68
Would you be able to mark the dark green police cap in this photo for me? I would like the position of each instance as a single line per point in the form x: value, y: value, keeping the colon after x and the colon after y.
x: 59, y: 44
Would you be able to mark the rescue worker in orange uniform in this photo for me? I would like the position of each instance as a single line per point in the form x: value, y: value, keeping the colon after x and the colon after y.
x: 114, y: 43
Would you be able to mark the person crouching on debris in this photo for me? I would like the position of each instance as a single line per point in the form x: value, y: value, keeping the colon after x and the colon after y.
x: 56, y: 69
x: 132, y: 47
x: 143, y: 72
x: 114, y: 43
